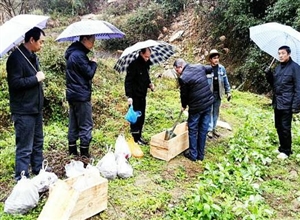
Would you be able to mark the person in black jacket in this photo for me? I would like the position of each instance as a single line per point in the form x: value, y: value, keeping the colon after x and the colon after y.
x: 26, y: 98
x: 79, y: 74
x: 137, y: 82
x: 195, y: 93
x: 285, y: 82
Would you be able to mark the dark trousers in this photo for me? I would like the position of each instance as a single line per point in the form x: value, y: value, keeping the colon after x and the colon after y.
x: 29, y: 143
x: 198, y: 126
x: 80, y: 123
x: 283, y: 124
x: 139, y: 104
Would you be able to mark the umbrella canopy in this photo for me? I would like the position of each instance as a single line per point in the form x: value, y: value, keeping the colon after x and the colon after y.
x: 13, y: 31
x: 102, y: 30
x: 160, y: 52
x: 270, y: 36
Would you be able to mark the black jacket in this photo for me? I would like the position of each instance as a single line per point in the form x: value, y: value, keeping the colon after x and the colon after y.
x: 285, y: 82
x: 194, y: 88
x: 79, y: 74
x: 137, y: 79
x: 25, y: 92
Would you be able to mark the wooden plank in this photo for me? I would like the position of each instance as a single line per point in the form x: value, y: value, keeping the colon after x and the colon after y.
x: 60, y: 203
x: 91, y: 201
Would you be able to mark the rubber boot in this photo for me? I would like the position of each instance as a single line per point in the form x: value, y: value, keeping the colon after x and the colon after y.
x: 73, y: 149
x: 84, y: 151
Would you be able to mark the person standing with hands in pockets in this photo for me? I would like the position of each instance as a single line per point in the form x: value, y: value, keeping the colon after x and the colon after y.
x: 219, y: 85
x: 26, y: 98
x: 79, y: 74
x: 137, y: 82
x: 285, y: 82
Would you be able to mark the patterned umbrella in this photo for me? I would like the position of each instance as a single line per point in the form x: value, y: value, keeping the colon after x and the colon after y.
x: 13, y: 31
x: 102, y: 30
x: 160, y: 52
x: 270, y: 36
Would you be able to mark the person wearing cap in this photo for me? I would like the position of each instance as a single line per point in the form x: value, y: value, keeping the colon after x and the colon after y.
x: 285, y: 81
x: 219, y: 85
x: 196, y: 94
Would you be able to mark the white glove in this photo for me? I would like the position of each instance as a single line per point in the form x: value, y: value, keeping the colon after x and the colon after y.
x: 40, y: 76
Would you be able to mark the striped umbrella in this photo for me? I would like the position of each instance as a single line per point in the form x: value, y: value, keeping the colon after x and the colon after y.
x: 160, y: 52
x: 101, y: 29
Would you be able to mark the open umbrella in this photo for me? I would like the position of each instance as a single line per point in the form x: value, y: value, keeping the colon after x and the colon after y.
x: 270, y: 36
x: 13, y: 31
x: 102, y: 30
x: 160, y: 52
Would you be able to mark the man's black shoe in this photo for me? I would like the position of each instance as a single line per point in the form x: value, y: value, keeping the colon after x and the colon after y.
x: 188, y: 155
x: 142, y: 142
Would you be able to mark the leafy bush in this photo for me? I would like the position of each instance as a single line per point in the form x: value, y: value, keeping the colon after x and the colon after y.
x: 74, y: 7
x: 285, y: 12
x: 145, y: 23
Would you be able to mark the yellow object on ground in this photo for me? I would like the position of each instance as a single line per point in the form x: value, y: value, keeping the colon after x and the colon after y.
x: 135, y: 149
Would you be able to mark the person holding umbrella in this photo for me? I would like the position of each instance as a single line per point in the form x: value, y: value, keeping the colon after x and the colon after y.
x: 137, y: 82
x: 219, y: 85
x: 285, y: 81
x: 196, y: 94
x: 79, y: 74
x: 26, y: 98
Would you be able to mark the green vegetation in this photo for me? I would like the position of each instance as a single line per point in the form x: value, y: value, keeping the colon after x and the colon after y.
x: 240, y: 178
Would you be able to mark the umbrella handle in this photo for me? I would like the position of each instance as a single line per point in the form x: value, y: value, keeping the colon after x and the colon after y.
x: 27, y: 59
x: 271, y: 63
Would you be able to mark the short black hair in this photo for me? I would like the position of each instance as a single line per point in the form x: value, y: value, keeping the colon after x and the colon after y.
x: 287, y: 48
x: 85, y: 36
x: 145, y: 49
x: 35, y: 33
x: 213, y: 55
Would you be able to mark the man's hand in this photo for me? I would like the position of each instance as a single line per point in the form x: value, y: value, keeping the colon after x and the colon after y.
x: 295, y: 111
x: 228, y: 96
x: 40, y: 76
x: 151, y: 86
x: 267, y: 70
x: 130, y: 101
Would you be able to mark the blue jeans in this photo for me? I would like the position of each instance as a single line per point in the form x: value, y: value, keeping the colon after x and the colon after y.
x: 29, y: 143
x: 80, y: 123
x: 215, y: 110
x: 197, y: 126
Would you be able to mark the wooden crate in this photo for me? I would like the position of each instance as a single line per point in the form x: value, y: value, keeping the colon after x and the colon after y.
x: 66, y: 201
x: 168, y: 149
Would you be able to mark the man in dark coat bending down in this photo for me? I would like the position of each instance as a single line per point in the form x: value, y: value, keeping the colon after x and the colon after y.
x: 137, y: 82
x: 196, y: 94
x: 285, y: 82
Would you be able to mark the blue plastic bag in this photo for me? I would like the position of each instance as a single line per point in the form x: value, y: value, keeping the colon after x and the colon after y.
x: 131, y: 115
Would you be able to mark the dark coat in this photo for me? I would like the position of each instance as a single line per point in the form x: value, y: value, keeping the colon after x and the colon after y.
x: 79, y: 74
x: 137, y: 79
x: 26, y: 94
x: 285, y: 82
x: 194, y: 88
